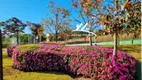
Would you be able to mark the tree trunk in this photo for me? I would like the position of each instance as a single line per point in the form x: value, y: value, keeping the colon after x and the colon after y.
x: 17, y: 36
x: 115, y: 44
x: 56, y: 28
x: 90, y: 30
x: 56, y: 36
x: 40, y: 39
x: 1, y: 58
x: 34, y: 38
x: 90, y: 34
x: 90, y: 39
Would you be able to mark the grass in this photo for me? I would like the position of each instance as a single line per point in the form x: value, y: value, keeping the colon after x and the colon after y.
x: 134, y: 50
x: 12, y: 74
x: 28, y: 47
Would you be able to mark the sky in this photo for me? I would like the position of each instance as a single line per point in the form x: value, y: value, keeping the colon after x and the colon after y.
x: 28, y: 10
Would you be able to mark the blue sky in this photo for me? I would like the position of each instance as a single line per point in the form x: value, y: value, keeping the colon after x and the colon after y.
x: 29, y: 10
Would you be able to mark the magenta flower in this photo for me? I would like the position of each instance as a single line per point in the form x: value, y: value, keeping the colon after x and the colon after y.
x: 95, y: 61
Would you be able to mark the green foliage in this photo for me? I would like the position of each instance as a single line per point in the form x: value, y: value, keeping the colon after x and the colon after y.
x: 51, y: 38
x: 6, y: 42
x: 14, y: 25
x: 23, y: 38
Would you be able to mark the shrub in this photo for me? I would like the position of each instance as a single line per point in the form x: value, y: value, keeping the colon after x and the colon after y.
x: 99, y: 64
x: 44, y: 58
x: 10, y: 49
x: 94, y: 62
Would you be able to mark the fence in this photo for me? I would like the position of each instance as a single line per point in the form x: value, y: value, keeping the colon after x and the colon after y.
x: 120, y: 42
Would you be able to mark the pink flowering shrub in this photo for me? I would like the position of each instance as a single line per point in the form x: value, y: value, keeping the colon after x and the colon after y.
x: 35, y: 61
x: 10, y: 50
x: 44, y: 58
x: 94, y: 62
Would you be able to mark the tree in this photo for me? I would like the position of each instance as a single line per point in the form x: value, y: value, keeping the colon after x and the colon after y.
x: 34, y: 29
x: 124, y: 16
x: 1, y: 23
x: 56, y: 19
x: 88, y: 13
x: 15, y: 26
x: 120, y: 16
x: 65, y: 34
x: 23, y: 38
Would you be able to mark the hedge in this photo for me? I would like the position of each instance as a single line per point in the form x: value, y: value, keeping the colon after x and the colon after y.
x: 10, y: 49
x: 94, y: 62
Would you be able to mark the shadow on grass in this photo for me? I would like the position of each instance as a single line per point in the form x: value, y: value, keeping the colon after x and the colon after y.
x: 138, y: 70
x: 56, y: 72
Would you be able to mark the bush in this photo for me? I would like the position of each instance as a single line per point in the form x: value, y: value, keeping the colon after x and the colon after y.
x: 10, y: 49
x: 94, y: 62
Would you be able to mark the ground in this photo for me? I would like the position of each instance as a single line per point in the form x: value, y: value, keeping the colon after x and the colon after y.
x: 13, y: 74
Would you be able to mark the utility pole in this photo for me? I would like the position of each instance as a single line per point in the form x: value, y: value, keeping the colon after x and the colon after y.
x: 1, y: 58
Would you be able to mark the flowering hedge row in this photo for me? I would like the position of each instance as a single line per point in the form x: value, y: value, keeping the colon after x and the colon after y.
x: 94, y: 62
x: 10, y: 50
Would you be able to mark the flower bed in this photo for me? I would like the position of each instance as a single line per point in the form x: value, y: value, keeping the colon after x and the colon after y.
x: 94, y: 62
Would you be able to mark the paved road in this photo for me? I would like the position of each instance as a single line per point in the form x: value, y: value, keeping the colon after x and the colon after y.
x: 82, y: 44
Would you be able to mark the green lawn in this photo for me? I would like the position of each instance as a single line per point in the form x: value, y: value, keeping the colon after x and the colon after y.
x: 134, y: 50
x: 13, y: 74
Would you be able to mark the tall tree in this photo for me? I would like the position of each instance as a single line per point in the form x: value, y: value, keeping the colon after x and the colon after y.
x: 123, y: 16
x: 88, y: 13
x: 34, y: 29
x: 56, y: 19
x: 15, y: 26
x: 118, y: 17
